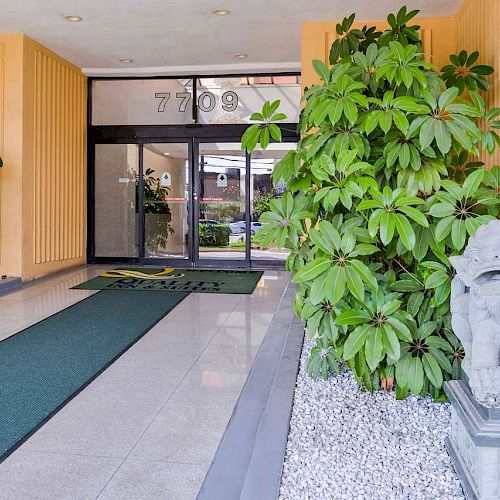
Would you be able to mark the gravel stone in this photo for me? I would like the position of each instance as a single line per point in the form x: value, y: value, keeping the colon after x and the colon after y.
x: 348, y: 444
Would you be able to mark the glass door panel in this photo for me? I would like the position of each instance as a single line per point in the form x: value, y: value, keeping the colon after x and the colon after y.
x: 262, y: 164
x: 166, y: 200
x: 222, y: 204
x: 116, y: 216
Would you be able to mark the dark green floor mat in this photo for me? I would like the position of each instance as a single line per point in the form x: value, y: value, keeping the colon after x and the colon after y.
x: 45, y: 365
x: 175, y: 279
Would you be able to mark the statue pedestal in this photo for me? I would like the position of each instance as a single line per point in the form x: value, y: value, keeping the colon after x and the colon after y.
x: 474, y: 443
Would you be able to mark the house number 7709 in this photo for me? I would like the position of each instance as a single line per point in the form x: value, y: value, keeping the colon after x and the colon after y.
x: 206, y: 101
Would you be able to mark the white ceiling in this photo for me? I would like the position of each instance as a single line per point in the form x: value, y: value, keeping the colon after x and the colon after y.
x: 182, y: 36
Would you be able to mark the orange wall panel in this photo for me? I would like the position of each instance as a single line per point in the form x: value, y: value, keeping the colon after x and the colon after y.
x: 45, y: 162
x: 11, y: 150
x: 477, y: 29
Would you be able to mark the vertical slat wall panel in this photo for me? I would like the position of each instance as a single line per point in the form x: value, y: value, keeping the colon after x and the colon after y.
x: 477, y: 26
x: 58, y: 160
x: 2, y: 109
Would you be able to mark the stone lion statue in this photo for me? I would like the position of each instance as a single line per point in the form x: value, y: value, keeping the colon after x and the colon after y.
x: 475, y: 308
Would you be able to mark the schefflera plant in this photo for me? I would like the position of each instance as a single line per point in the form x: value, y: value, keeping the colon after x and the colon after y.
x: 371, y: 214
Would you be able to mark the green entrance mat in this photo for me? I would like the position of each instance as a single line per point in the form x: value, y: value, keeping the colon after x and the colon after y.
x: 45, y: 365
x: 175, y: 280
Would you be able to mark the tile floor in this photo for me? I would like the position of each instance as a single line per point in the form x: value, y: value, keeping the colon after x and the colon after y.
x: 149, y: 426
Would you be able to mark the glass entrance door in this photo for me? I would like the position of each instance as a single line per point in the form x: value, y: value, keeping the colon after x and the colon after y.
x: 183, y: 202
x: 166, y: 200
x: 222, y: 204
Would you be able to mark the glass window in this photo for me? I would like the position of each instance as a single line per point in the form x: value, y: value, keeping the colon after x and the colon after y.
x: 262, y: 191
x: 222, y: 213
x: 142, y: 102
x: 116, y: 217
x: 233, y: 100
x: 168, y: 101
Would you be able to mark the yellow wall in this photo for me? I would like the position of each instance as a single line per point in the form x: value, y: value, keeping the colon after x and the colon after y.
x: 43, y: 143
x: 477, y: 29
x: 11, y: 150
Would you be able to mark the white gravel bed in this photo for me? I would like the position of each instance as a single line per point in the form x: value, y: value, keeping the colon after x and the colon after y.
x: 348, y: 444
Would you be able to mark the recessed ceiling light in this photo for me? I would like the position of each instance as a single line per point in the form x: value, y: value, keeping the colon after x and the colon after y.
x: 73, y: 19
x: 241, y: 55
x: 166, y: 154
x: 126, y: 60
x: 220, y: 12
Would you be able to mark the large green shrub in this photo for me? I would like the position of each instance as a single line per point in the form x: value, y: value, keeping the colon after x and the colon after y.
x: 371, y: 214
x: 213, y: 235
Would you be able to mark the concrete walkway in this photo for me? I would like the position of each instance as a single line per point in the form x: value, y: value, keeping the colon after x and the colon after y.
x: 149, y: 426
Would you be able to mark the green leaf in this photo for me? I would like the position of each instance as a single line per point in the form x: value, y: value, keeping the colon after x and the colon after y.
x: 319, y: 289
x: 321, y: 69
x: 275, y: 132
x: 442, y: 210
x: 374, y: 221
x: 432, y: 370
x: 447, y: 97
x: 250, y: 138
x: 353, y: 317
x: 415, y: 215
x: 472, y: 183
x: 403, y: 371
x: 318, y: 241
x: 387, y: 227
x: 405, y: 231
x: 330, y: 235
x: 442, y: 360
x: 373, y: 348
x: 400, y: 327
x: 355, y: 283
x: 443, y: 228
x: 453, y: 188
x: 458, y: 234
x: 391, y: 342
x: 364, y: 272
x: 422, y: 244
x: 406, y: 286
x: 414, y: 302
x: 439, y: 343
x: 435, y: 279
x: 416, y: 375
x: 355, y: 341
x: 350, y: 110
x: 427, y: 133
x: 264, y: 137
x: 336, y: 279
x: 442, y: 136
x: 312, y: 269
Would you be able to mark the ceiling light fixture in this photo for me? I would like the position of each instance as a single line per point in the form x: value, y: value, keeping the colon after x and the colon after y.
x: 73, y: 19
x: 241, y: 55
x: 126, y: 60
x: 220, y: 12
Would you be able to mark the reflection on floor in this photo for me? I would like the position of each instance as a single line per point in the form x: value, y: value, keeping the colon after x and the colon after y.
x: 149, y: 426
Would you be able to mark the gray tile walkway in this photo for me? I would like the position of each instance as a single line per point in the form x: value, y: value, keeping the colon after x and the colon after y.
x: 149, y: 426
